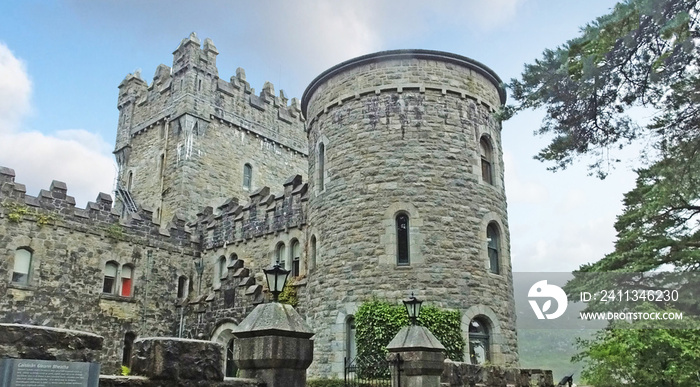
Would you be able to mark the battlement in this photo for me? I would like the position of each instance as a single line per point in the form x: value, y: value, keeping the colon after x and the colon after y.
x: 264, y: 214
x: 193, y: 87
x: 55, y: 208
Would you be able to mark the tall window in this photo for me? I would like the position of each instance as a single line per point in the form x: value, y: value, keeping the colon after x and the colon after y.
x: 23, y: 264
x: 129, y: 338
x: 130, y: 181
x: 486, y: 160
x: 222, y: 270
x: 280, y: 255
x: 247, y: 176
x: 479, y: 342
x: 126, y: 281
x: 182, y: 286
x: 493, y: 247
x: 296, y: 258
x: 321, y: 166
x: 109, y: 285
x: 402, y: 240
x: 313, y: 252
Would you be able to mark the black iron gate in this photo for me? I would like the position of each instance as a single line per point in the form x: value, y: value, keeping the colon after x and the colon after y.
x: 368, y: 371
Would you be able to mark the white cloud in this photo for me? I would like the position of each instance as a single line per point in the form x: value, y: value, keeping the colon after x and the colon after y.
x: 15, y: 90
x: 79, y: 158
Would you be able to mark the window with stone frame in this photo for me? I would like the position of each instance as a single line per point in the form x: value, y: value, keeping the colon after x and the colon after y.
x: 109, y: 284
x: 493, y: 247
x: 222, y: 270
x: 280, y: 255
x: 128, y: 349
x: 126, y: 281
x: 296, y: 258
x: 22, y: 266
x: 479, y: 341
x: 402, y: 240
x: 182, y: 286
x: 247, y: 176
x: 486, y: 160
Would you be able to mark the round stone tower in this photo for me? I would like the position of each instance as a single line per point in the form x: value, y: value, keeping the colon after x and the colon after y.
x: 407, y: 195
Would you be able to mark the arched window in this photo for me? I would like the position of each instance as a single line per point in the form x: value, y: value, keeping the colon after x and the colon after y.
x: 321, y: 166
x: 402, y: 240
x: 130, y: 181
x: 296, y: 258
x: 486, y: 160
x: 312, y: 254
x: 479, y: 342
x: 231, y: 369
x: 182, y: 288
x: 247, y: 176
x: 23, y: 265
x: 280, y: 255
x: 350, y: 343
x: 222, y: 270
x: 129, y: 338
x: 127, y: 273
x: 233, y: 257
x: 493, y: 248
x: 109, y: 284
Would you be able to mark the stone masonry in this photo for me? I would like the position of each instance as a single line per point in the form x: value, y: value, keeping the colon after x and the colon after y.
x: 390, y: 134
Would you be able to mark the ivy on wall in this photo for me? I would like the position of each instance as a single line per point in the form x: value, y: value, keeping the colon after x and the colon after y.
x: 377, y: 322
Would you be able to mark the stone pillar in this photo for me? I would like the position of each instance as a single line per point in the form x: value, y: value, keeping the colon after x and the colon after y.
x: 420, y: 358
x: 273, y: 344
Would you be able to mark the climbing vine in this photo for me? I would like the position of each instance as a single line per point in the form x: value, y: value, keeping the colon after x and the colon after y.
x: 377, y: 322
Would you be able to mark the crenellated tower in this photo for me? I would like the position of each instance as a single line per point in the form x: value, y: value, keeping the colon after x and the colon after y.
x: 189, y: 139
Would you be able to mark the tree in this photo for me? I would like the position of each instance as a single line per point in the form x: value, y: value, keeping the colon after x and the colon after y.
x: 644, y: 53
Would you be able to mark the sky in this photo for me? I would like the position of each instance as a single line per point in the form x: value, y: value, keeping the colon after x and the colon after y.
x: 61, y: 63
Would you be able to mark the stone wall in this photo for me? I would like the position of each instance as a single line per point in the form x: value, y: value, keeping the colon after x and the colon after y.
x: 246, y: 237
x: 401, y: 132
x: 69, y: 249
x: 468, y: 375
x: 186, y: 137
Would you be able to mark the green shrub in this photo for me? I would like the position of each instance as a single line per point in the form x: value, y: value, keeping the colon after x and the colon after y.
x: 377, y: 322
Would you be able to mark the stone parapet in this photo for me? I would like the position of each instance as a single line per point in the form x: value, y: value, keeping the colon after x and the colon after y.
x: 265, y: 213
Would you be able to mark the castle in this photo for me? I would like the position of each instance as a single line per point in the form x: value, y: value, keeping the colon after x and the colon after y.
x: 386, y: 178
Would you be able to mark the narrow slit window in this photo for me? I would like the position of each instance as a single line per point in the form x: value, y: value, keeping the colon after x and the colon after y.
x: 321, y: 166
x: 313, y: 252
x: 493, y: 247
x: 486, y: 161
x: 247, y: 176
x: 402, y: 240
x: 296, y: 259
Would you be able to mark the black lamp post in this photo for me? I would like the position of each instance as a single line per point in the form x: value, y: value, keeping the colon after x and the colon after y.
x: 276, y: 278
x: 412, y: 305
